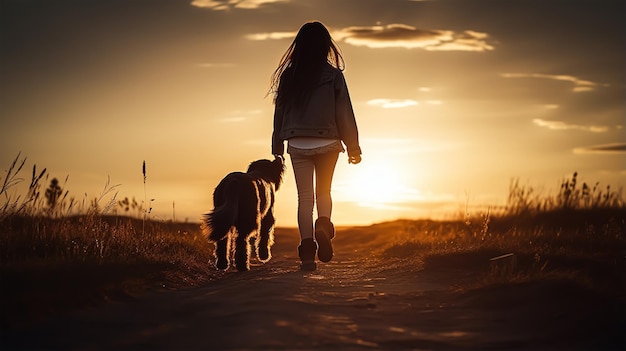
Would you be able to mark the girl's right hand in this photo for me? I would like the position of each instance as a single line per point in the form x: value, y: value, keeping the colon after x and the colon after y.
x: 354, y: 159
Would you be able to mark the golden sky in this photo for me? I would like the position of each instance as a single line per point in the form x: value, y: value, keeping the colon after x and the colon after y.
x: 453, y: 98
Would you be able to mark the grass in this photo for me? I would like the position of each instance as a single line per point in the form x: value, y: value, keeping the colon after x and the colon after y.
x: 57, y: 252
x: 582, y: 245
x: 524, y: 200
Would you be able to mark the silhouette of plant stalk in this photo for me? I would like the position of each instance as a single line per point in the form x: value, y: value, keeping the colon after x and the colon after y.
x: 148, y: 205
x: 94, y: 209
x: 51, y: 202
x: 10, y: 180
x: 28, y: 205
x: 145, y: 197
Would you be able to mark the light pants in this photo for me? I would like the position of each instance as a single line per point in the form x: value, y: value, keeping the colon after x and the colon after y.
x: 305, y: 168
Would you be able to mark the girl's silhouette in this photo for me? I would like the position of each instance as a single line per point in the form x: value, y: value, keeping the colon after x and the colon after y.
x: 313, y: 112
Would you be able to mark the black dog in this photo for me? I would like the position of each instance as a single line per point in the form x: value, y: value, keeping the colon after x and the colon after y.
x: 245, y: 201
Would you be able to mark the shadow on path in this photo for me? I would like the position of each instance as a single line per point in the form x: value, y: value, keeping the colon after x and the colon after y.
x: 350, y: 303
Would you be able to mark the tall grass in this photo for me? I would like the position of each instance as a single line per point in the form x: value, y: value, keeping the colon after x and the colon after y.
x: 58, y: 251
x: 16, y: 204
x: 577, y: 234
x: 49, y: 226
x: 524, y: 200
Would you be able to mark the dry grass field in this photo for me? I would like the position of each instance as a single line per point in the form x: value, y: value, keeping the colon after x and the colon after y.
x: 543, y: 273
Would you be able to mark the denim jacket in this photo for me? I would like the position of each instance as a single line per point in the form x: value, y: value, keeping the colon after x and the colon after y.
x: 327, y: 114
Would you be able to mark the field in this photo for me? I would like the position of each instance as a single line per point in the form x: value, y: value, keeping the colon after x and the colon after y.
x: 544, y: 273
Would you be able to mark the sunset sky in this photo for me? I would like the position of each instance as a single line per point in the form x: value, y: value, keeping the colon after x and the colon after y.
x: 453, y: 98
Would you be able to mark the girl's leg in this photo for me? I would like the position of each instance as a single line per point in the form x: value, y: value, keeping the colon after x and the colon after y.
x: 324, y: 229
x: 324, y: 170
x: 303, y: 168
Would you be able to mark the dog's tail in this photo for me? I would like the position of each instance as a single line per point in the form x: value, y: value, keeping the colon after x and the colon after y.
x: 226, y: 202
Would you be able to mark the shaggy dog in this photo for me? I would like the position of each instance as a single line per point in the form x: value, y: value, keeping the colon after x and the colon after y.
x: 244, y: 213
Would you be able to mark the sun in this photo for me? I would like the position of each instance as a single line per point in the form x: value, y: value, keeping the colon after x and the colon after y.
x: 374, y: 183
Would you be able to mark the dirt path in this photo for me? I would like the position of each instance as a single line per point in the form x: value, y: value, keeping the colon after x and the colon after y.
x: 351, y: 303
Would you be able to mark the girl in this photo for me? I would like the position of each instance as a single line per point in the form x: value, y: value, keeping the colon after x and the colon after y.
x: 313, y: 112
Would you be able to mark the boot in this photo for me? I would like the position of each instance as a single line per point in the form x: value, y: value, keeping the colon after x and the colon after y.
x: 324, y: 233
x: 306, y: 251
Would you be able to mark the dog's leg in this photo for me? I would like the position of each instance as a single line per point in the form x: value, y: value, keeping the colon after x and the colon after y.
x: 222, y: 251
x: 266, y: 241
x: 246, y: 226
x: 242, y: 250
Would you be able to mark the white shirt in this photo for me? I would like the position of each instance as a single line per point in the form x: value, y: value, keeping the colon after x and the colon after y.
x: 309, y: 142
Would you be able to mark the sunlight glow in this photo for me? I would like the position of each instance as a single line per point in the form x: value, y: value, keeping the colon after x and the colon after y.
x: 376, y: 184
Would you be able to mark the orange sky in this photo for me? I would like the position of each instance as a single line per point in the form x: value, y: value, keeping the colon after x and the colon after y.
x: 453, y: 98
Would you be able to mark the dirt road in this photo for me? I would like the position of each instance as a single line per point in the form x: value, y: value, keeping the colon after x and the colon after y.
x: 356, y: 301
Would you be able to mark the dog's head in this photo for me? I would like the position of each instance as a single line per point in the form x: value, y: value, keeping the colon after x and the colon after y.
x: 271, y: 171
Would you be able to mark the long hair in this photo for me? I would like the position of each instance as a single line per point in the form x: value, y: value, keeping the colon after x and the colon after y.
x: 299, y: 68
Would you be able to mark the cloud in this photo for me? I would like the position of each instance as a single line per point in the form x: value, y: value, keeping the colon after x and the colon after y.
x: 580, y: 85
x: 239, y: 116
x: 560, y: 125
x: 232, y: 119
x: 392, y: 103
x: 613, y: 148
x: 398, y: 36
x: 271, y: 36
x: 550, y: 106
x: 405, y: 36
x: 224, y: 5
x: 215, y: 65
